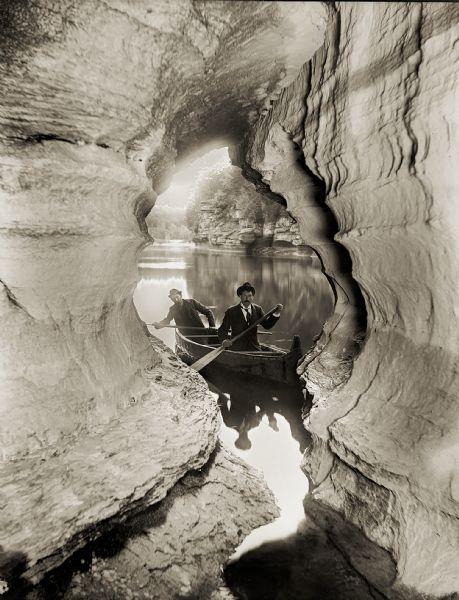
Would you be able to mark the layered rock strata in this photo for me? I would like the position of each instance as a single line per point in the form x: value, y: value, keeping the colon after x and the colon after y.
x: 361, y: 146
x: 231, y: 213
x: 175, y: 549
x: 97, y: 99
x: 127, y: 464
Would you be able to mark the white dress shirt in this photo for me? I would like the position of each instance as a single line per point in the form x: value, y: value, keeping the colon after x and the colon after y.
x: 246, y: 311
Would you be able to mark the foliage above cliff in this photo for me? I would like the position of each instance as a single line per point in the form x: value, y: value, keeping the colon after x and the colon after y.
x: 168, y: 223
x: 226, y: 210
x: 227, y: 193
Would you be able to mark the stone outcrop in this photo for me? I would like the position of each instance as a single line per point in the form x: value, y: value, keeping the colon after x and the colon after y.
x: 64, y: 501
x: 97, y: 99
x: 362, y: 148
x: 230, y: 213
x: 175, y: 549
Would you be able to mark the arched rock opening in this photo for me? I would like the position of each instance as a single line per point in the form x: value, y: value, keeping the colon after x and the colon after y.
x: 98, y: 99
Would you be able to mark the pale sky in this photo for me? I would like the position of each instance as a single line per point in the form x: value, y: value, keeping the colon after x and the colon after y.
x: 183, y: 182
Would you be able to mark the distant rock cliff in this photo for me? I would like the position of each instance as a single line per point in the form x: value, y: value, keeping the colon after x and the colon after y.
x: 229, y: 212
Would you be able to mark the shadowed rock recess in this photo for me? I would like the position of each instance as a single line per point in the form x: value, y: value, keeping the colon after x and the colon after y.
x: 347, y: 114
x: 362, y: 148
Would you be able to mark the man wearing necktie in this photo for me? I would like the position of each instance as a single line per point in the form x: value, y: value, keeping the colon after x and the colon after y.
x: 239, y: 317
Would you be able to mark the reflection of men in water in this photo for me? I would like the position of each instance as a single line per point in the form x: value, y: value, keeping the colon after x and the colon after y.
x: 241, y: 416
x: 239, y: 317
x: 185, y: 313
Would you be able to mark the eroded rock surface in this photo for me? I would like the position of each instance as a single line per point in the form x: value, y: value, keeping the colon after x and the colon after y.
x: 97, y: 99
x: 361, y: 146
x: 176, y: 549
x: 62, y: 503
x: 229, y: 213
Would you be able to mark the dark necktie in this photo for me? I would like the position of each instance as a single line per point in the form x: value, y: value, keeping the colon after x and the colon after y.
x: 247, y: 314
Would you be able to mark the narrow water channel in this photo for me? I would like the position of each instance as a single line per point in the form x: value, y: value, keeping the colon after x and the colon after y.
x: 292, y: 558
x: 260, y: 423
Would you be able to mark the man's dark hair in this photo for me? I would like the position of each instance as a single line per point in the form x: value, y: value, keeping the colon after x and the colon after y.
x: 245, y: 287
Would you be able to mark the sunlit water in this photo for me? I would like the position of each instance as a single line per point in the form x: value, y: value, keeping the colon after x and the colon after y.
x: 260, y: 423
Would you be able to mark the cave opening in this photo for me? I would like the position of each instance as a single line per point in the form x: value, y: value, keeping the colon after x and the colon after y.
x: 227, y: 231
x: 100, y: 420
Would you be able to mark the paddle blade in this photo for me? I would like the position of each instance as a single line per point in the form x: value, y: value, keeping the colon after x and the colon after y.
x: 205, y: 360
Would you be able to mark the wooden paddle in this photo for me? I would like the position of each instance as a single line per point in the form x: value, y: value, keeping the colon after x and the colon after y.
x: 208, y: 358
x: 182, y: 326
x: 199, y: 329
x: 210, y: 335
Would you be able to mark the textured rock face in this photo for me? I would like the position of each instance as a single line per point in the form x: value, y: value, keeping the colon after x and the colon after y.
x: 231, y: 213
x: 62, y: 502
x: 70, y: 212
x: 362, y: 146
x: 96, y: 101
x: 174, y: 550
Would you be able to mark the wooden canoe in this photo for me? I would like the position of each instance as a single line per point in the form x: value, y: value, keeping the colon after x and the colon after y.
x: 271, y: 363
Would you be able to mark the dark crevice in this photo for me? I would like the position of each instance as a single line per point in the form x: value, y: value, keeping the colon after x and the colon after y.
x: 141, y: 211
x: 262, y: 187
x: 315, y: 189
x: 344, y: 261
x: 12, y: 298
x: 38, y: 138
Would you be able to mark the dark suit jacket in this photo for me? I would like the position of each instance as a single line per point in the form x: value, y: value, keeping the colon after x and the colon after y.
x: 234, y: 320
x: 186, y: 314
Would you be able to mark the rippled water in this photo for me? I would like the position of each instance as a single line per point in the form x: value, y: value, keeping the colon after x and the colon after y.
x: 260, y: 422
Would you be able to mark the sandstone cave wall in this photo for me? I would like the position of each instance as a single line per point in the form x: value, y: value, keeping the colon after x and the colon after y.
x: 362, y: 146
x: 97, y: 99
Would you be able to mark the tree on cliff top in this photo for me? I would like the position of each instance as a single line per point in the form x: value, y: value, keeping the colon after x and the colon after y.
x: 227, y: 193
x: 168, y: 223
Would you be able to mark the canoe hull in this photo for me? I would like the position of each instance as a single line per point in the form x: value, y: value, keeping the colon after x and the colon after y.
x: 272, y: 364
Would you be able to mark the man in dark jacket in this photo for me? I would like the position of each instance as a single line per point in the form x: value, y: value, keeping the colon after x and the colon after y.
x: 241, y: 316
x: 185, y: 313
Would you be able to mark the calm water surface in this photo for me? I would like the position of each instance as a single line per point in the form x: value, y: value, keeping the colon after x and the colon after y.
x: 261, y: 423
x: 212, y: 279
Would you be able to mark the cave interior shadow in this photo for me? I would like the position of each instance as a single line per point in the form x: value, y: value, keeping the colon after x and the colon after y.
x: 305, y: 565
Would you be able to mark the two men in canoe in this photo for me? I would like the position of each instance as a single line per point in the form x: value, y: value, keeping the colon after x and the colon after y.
x: 238, y: 318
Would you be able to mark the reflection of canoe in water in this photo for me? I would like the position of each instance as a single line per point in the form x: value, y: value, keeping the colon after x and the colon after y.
x: 270, y: 363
